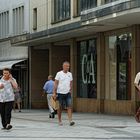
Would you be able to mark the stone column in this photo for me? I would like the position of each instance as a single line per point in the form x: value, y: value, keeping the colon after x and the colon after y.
x: 101, y: 71
x: 73, y: 68
x: 135, y: 64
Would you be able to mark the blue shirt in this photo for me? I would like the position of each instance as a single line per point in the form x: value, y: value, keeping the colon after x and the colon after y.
x: 49, y: 86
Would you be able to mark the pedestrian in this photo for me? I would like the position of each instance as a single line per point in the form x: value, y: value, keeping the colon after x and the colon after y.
x: 7, y: 86
x: 18, y: 99
x: 62, y: 92
x: 48, y: 90
x: 137, y: 85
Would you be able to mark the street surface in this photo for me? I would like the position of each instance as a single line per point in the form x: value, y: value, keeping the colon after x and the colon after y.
x: 36, y: 125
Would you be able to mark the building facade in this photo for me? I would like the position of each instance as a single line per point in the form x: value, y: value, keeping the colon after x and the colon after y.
x: 100, y: 38
x: 14, y: 21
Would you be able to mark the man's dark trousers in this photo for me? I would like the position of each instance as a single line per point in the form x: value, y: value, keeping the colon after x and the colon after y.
x: 5, y: 111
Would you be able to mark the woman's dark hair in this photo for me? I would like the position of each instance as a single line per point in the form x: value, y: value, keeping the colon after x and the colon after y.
x: 7, y: 69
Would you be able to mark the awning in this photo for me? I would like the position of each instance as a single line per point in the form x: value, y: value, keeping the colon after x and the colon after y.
x: 9, y: 64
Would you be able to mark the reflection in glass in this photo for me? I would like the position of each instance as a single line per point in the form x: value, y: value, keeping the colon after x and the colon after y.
x: 87, y: 69
x: 120, y: 66
x: 123, y: 67
x: 112, y: 66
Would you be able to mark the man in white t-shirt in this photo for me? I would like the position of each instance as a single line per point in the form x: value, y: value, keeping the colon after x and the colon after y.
x: 137, y: 81
x: 137, y: 85
x: 62, y: 90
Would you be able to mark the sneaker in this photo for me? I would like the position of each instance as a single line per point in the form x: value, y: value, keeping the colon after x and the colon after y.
x: 4, y: 128
x: 137, y: 118
x: 72, y: 123
x: 60, y: 123
x: 55, y: 112
x: 52, y: 115
x: 8, y: 127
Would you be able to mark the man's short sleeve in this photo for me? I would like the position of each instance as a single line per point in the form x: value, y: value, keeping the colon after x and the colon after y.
x: 57, y: 77
x: 45, y: 86
x: 14, y: 80
x: 71, y: 77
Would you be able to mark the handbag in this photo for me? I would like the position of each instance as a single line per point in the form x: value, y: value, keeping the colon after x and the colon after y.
x: 54, y: 103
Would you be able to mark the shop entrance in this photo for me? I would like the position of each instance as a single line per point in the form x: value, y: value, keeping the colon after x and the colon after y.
x: 59, y: 54
x: 20, y: 73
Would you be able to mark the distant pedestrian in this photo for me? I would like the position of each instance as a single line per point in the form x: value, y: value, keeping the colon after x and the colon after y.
x: 48, y: 90
x: 7, y: 84
x: 62, y: 91
x: 137, y: 85
x: 18, y: 99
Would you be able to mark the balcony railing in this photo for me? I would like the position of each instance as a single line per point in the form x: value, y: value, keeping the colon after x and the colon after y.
x: 110, y: 8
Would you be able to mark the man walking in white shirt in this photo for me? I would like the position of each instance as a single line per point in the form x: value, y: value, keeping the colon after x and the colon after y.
x: 137, y: 85
x: 62, y: 90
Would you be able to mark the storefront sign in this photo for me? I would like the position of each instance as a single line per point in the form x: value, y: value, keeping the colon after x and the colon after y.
x: 88, y: 76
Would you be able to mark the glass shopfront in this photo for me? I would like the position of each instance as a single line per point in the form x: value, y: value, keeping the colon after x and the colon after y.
x: 119, y: 49
x: 87, y: 69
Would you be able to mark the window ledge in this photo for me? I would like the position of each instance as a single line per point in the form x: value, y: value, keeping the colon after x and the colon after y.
x: 58, y: 21
x: 76, y: 16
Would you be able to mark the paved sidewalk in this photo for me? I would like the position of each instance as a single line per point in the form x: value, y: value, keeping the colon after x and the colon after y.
x: 36, y: 125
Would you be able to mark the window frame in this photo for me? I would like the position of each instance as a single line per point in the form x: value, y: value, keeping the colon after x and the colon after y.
x: 115, y: 95
x: 85, y: 5
x: 18, y: 20
x: 4, y: 24
x: 60, y: 10
x: 34, y: 18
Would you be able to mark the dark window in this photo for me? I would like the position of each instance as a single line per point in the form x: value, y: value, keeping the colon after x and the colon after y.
x: 61, y: 10
x: 120, y: 49
x: 34, y: 18
x: 123, y: 67
x: 87, y: 69
x: 86, y: 4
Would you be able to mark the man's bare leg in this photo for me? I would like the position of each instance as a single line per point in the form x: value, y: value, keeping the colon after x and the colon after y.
x: 59, y: 112
x: 69, y: 110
